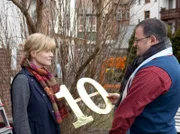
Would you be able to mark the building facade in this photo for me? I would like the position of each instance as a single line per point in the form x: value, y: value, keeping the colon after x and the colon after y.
x: 166, y: 10
x: 171, y: 14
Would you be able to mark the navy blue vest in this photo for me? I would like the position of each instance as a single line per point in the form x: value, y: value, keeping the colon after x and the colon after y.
x: 158, y: 116
x: 40, y: 112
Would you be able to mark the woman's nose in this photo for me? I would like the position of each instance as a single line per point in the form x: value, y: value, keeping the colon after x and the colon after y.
x: 51, y: 54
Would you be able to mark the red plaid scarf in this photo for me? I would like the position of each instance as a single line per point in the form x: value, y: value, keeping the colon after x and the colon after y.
x: 48, y: 82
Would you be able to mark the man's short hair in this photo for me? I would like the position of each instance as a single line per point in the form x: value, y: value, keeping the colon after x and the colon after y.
x: 153, y: 26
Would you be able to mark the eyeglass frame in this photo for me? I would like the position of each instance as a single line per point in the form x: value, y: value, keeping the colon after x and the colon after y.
x: 137, y: 40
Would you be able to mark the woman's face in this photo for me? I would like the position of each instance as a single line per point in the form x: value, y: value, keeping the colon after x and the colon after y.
x: 42, y: 59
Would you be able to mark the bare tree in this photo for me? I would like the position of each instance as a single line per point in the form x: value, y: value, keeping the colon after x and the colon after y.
x: 12, y: 32
x: 87, y: 33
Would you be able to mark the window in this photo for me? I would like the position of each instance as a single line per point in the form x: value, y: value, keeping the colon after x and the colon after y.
x: 127, y: 14
x: 170, y: 4
x: 139, y: 20
x: 89, y: 11
x: 91, y: 23
x: 177, y: 4
x: 170, y: 26
x: 81, y: 21
x: 147, y: 1
x: 119, y: 14
x: 146, y: 14
x: 80, y: 10
x: 88, y: 22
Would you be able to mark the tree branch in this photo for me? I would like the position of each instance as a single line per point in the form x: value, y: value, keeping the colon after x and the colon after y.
x: 30, y: 24
x: 39, y: 11
x: 81, y: 69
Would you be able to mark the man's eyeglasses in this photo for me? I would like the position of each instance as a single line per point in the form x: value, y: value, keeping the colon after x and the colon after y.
x: 136, y: 40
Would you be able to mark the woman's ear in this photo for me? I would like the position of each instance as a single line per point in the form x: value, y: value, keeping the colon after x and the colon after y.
x: 33, y: 54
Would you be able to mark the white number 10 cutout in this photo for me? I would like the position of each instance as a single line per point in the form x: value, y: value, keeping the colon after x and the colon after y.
x: 81, y: 118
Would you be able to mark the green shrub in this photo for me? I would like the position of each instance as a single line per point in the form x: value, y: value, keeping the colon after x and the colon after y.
x: 175, y: 39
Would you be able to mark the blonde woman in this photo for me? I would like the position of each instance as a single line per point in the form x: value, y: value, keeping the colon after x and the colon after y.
x: 35, y: 109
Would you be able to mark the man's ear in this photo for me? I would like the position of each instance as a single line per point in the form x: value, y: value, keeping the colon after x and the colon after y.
x: 153, y: 40
x: 33, y: 54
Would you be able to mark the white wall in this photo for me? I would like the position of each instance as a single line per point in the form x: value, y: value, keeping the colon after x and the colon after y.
x: 137, y: 10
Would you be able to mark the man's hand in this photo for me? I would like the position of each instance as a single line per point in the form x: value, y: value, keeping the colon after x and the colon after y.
x: 113, y: 97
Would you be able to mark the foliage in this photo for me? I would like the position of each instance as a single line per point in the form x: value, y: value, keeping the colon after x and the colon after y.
x: 131, y: 52
x: 175, y: 39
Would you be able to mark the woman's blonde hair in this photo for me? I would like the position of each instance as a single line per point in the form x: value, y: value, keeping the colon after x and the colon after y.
x: 38, y: 42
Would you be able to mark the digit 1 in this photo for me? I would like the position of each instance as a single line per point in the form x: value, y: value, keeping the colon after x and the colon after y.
x: 81, y: 118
